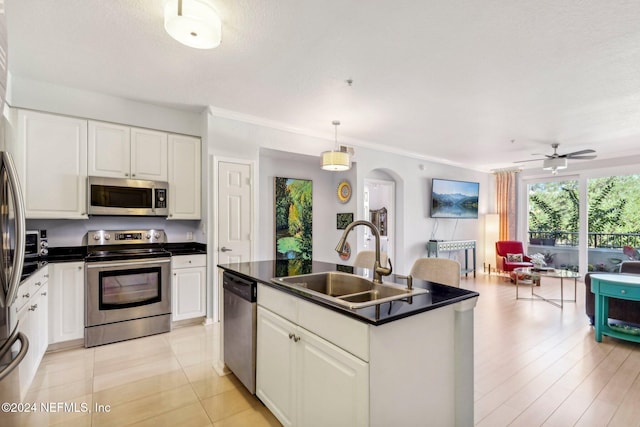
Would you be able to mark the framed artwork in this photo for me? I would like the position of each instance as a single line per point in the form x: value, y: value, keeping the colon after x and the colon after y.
x: 343, y: 219
x: 293, y: 217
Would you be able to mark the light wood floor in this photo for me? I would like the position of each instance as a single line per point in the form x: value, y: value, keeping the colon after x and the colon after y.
x: 535, y: 364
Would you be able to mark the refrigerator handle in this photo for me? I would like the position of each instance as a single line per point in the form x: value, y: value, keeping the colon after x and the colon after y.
x: 24, y: 347
x: 18, y: 254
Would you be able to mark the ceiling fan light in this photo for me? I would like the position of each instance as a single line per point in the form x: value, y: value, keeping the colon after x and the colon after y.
x: 194, y: 23
x: 555, y: 163
x: 336, y: 161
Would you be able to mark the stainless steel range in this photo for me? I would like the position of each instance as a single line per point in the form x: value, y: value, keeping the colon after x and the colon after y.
x: 128, y: 288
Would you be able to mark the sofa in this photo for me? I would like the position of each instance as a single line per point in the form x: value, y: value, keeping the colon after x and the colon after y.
x: 623, y: 310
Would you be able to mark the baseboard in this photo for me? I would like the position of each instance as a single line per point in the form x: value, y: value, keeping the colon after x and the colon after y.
x: 187, y: 322
x: 65, y: 345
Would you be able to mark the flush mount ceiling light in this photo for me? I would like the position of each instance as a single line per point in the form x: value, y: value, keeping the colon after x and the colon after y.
x: 194, y: 23
x: 338, y: 159
x: 554, y: 164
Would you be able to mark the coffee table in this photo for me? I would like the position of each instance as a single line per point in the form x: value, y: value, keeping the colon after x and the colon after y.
x: 537, y: 274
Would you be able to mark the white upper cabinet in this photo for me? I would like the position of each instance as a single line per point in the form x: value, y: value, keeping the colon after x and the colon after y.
x: 51, y: 156
x: 117, y: 151
x: 148, y: 154
x: 109, y: 150
x: 184, y: 177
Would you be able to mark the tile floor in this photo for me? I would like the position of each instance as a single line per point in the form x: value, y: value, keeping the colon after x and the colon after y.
x: 162, y: 380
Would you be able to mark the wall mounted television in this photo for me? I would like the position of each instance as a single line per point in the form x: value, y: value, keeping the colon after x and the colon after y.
x: 454, y: 199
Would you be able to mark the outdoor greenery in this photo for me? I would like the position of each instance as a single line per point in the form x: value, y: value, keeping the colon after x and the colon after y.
x: 614, y: 205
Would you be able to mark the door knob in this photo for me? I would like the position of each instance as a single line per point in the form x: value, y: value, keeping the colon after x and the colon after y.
x: 223, y: 249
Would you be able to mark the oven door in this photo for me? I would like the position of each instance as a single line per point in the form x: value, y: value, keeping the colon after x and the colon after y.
x: 125, y: 290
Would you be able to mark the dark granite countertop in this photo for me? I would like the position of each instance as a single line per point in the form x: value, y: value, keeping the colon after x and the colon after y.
x: 67, y: 254
x: 79, y: 253
x: 438, y: 295
x: 186, y: 248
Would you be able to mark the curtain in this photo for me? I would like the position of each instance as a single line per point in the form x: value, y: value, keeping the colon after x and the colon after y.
x: 506, y: 203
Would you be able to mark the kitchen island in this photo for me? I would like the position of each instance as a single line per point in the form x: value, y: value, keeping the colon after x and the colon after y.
x: 397, y: 363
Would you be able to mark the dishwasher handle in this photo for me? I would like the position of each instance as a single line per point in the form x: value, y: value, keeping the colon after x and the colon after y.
x: 244, y: 288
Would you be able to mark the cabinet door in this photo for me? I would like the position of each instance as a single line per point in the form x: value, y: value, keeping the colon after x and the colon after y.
x: 54, y: 178
x: 109, y: 150
x: 332, y: 385
x: 276, y: 366
x: 184, y: 177
x: 189, y: 296
x: 66, y: 311
x: 148, y: 154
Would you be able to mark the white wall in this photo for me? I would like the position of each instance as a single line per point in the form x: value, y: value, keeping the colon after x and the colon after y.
x: 37, y: 95
x: 414, y: 227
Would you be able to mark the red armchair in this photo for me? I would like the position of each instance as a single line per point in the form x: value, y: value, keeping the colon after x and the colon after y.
x: 510, y: 247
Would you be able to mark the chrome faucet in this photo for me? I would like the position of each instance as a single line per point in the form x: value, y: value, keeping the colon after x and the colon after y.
x: 378, y: 270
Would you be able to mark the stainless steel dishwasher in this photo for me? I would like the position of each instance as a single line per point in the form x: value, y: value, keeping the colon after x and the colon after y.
x: 239, y: 322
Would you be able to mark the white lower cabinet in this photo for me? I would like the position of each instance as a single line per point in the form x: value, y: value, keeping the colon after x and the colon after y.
x: 318, y: 367
x: 307, y: 381
x: 188, y: 287
x: 32, y: 321
x: 66, y: 314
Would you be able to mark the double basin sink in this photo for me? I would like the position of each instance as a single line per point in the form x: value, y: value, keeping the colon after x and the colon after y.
x: 346, y: 290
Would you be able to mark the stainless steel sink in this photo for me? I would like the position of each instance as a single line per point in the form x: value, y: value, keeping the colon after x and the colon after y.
x: 347, y: 290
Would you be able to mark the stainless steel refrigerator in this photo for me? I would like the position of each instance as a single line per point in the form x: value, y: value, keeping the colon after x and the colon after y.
x: 13, y: 344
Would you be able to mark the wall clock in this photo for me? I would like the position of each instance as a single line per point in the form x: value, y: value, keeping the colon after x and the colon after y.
x: 344, y: 191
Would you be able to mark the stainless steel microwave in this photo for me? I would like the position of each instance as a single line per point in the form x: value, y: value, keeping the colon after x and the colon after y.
x: 132, y: 197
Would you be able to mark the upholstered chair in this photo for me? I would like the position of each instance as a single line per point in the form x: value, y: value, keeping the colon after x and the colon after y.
x: 438, y: 270
x: 510, y: 254
x: 367, y: 259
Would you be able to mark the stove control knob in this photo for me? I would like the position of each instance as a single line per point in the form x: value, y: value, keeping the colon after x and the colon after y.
x: 156, y: 235
x: 44, y: 251
x: 107, y: 236
x: 96, y: 237
x: 148, y: 236
x: 44, y: 244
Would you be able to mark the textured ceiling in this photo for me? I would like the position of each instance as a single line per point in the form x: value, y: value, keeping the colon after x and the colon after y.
x: 456, y: 80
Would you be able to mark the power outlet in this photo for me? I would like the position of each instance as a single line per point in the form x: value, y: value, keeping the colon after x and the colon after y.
x: 189, y: 235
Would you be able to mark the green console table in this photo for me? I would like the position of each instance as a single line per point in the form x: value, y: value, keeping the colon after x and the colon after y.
x: 605, y: 286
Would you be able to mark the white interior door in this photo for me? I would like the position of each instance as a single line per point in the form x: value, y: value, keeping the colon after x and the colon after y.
x: 234, y: 212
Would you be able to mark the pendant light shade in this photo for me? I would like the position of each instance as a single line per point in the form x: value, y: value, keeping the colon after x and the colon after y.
x: 336, y: 160
x: 194, y: 23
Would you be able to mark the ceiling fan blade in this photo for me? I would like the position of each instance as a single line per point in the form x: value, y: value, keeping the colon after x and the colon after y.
x: 531, y: 160
x: 577, y: 153
x: 593, y: 156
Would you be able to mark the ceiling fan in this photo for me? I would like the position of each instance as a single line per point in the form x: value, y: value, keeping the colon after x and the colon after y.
x: 556, y: 161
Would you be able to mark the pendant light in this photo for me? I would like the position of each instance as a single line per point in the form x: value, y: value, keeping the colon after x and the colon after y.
x: 338, y: 159
x: 194, y: 23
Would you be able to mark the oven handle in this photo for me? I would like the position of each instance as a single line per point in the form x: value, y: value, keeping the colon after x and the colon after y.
x: 125, y: 264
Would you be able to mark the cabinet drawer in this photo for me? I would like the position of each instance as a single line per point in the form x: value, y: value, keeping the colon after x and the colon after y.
x: 187, y: 261
x: 345, y: 332
x: 618, y: 290
x: 283, y: 304
x: 31, y: 286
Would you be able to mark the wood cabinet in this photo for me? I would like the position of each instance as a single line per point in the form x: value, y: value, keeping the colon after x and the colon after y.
x: 32, y: 321
x: 118, y: 151
x: 51, y: 158
x: 303, y: 378
x: 66, y: 301
x: 184, y: 177
x: 188, y: 287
